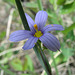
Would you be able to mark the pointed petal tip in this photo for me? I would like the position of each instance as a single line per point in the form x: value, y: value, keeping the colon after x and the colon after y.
x: 63, y: 29
x: 56, y: 50
x: 10, y: 40
x: 26, y: 14
x: 23, y: 48
x: 26, y: 48
x: 59, y: 50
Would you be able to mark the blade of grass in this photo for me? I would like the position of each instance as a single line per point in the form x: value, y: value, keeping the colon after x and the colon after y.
x: 55, y: 66
x: 7, y: 71
x: 69, y: 70
x: 40, y: 4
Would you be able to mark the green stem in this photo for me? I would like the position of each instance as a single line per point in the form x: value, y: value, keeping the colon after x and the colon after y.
x: 43, y: 59
x: 40, y: 4
x: 22, y: 14
x: 55, y: 66
x: 7, y: 71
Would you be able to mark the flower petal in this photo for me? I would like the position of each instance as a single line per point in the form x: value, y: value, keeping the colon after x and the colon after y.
x: 52, y: 27
x: 50, y: 41
x: 30, y: 43
x: 30, y: 22
x: 40, y: 19
x: 20, y: 35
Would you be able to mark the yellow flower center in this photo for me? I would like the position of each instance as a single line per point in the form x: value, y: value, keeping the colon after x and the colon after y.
x: 37, y: 33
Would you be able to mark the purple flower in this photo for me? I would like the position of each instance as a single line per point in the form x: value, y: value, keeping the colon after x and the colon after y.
x: 38, y: 31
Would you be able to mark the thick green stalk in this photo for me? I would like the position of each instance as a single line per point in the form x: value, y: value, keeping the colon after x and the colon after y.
x: 40, y: 4
x: 7, y: 71
x: 55, y: 66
